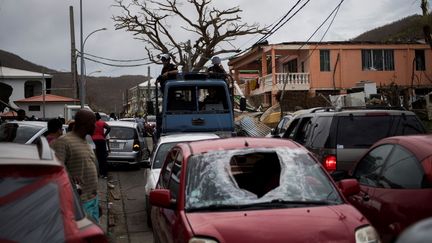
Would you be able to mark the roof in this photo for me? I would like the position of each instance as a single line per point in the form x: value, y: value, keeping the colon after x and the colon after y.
x: 420, y: 145
x: 48, y: 98
x: 184, y: 137
x: 145, y: 83
x: 21, y: 154
x: 6, y: 72
x: 122, y: 124
x: 200, y: 147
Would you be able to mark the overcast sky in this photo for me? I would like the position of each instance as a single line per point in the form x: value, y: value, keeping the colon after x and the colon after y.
x: 38, y: 30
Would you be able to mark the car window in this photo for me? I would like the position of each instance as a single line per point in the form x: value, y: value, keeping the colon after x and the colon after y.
x: 361, y: 131
x: 289, y: 133
x: 166, y: 171
x: 122, y: 133
x: 407, y: 125
x: 303, y: 130
x: 320, y: 132
x: 369, y: 167
x: 161, y: 154
x: 12, y: 132
x: 402, y: 170
x: 243, y: 178
x: 175, y: 175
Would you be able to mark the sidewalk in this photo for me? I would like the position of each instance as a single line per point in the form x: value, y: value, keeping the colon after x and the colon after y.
x: 103, y: 203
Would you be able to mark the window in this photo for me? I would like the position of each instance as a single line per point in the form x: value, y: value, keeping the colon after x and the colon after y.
x: 290, y: 67
x: 420, y: 60
x: 324, y: 60
x: 34, y: 107
x: 369, y: 168
x: 402, y: 171
x: 378, y: 60
x: 166, y: 172
x: 175, y: 176
x: 32, y: 88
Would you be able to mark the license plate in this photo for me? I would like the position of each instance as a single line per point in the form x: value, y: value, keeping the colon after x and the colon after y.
x: 116, y: 145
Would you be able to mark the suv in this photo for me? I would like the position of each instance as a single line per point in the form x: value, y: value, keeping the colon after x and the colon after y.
x: 339, y: 138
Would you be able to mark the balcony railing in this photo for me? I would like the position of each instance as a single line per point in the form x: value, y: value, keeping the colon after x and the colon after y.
x: 294, y: 81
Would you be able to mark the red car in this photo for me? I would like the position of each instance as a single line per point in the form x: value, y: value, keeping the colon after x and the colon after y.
x: 395, y: 177
x: 37, y: 200
x: 248, y: 189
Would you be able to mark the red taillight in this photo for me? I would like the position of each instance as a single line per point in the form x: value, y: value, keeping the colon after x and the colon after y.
x: 136, y: 145
x: 330, y: 163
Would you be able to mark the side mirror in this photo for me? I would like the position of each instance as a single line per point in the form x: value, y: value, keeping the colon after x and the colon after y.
x: 339, y: 175
x: 349, y: 187
x: 161, y: 198
x: 242, y: 103
x: 146, y: 163
x: 272, y: 131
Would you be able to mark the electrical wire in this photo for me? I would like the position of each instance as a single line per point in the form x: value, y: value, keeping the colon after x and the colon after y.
x: 117, y: 60
x: 118, y: 65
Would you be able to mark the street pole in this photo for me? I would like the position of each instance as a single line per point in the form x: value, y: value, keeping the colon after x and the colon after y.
x: 73, y: 53
x: 82, y: 93
x: 43, y: 94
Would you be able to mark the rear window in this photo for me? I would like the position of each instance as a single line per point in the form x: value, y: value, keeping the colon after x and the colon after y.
x: 161, y: 154
x: 361, y: 131
x: 122, y: 133
x: 12, y: 132
x: 408, y: 125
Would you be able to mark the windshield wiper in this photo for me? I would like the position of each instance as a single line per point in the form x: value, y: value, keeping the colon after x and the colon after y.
x: 215, y: 207
x: 286, y: 203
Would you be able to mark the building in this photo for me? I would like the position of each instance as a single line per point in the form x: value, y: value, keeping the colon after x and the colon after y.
x: 45, y: 106
x: 24, y: 83
x: 137, y: 97
x: 309, y: 69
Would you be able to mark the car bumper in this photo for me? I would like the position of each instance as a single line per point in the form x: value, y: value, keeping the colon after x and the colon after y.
x: 124, y: 157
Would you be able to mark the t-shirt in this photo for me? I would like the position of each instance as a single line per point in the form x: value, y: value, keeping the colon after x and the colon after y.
x: 80, y: 162
x: 99, y: 132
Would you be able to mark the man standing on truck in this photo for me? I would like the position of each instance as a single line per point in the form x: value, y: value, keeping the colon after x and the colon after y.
x: 217, y: 66
x: 168, y: 71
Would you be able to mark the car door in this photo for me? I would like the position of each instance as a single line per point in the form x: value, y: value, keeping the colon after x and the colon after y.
x: 367, y: 172
x: 166, y: 221
x: 402, y: 193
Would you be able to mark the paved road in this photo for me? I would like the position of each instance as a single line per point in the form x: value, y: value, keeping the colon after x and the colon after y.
x: 127, y: 214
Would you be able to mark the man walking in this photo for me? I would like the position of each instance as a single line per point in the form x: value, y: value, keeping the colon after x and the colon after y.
x: 80, y: 160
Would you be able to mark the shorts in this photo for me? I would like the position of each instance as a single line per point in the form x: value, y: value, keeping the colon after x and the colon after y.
x: 91, y: 207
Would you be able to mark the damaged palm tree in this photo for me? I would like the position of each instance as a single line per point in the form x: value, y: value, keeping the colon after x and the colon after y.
x: 158, y: 24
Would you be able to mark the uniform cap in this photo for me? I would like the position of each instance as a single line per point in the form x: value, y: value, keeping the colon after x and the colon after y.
x: 216, y: 60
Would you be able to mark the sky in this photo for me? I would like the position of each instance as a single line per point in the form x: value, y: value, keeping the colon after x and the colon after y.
x: 39, y: 30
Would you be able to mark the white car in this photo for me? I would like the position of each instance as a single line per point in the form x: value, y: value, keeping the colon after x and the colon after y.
x: 157, y: 159
x: 23, y: 132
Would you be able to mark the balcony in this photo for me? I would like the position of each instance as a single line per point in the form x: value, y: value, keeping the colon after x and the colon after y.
x: 294, y: 81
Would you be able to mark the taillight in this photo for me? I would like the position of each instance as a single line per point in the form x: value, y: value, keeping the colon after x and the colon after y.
x: 136, y: 145
x: 330, y: 163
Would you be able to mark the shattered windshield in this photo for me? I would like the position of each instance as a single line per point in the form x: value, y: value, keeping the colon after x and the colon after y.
x: 241, y: 179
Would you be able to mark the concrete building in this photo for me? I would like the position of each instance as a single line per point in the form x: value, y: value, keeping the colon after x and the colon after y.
x: 50, y: 106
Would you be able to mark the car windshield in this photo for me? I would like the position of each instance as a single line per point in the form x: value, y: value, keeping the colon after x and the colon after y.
x: 161, y: 154
x: 12, y: 132
x: 239, y: 179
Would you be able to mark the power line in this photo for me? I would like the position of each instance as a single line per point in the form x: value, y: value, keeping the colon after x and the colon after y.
x: 118, y: 65
x: 325, y: 33
x: 117, y: 60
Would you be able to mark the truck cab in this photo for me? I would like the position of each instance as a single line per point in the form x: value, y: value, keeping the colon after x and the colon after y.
x: 196, y: 103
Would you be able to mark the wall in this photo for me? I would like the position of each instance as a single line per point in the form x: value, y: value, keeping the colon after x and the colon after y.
x: 52, y: 110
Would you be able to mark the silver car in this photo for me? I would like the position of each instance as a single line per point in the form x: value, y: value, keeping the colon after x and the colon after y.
x: 159, y: 153
x: 23, y: 132
x: 126, y: 143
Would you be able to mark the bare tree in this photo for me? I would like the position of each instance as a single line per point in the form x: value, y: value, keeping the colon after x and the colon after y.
x: 154, y: 22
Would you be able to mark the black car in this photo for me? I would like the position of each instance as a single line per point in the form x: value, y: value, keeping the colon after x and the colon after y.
x: 339, y: 138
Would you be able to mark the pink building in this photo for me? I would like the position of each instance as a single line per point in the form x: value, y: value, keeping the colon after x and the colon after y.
x: 334, y: 67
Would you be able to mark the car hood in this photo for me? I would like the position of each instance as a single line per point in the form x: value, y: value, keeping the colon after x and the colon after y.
x: 309, y: 224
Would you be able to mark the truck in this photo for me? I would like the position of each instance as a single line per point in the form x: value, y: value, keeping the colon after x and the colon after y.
x: 187, y: 105
x: 71, y: 110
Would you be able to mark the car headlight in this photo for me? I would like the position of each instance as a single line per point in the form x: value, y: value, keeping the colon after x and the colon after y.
x: 366, y: 234
x: 201, y: 240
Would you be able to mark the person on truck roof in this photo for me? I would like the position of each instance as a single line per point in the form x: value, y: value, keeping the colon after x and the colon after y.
x: 217, y: 66
x: 168, y: 71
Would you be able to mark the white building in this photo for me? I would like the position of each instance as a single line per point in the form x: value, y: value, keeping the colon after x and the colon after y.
x: 138, y: 96
x: 50, y: 106
x: 25, y: 84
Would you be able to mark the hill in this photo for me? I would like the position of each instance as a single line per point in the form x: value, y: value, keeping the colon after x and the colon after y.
x: 103, y: 93
x: 405, y: 30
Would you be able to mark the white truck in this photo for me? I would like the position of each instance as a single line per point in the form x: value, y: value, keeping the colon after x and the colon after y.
x: 71, y: 110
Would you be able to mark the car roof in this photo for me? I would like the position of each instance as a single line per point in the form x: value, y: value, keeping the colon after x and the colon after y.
x: 420, y: 145
x: 23, y: 154
x: 184, y: 137
x: 122, y: 124
x: 30, y: 123
x: 199, y: 147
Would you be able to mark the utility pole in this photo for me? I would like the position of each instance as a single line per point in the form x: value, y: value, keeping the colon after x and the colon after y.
x: 82, y: 78
x: 73, y: 54
x: 426, y: 27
